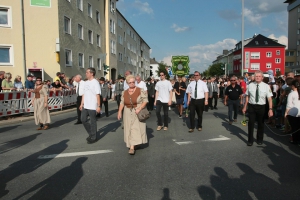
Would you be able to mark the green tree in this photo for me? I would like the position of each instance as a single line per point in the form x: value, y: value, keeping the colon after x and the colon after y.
x: 215, y: 70
x: 162, y: 68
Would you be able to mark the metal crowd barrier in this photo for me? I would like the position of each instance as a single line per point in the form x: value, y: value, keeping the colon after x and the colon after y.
x: 18, y: 102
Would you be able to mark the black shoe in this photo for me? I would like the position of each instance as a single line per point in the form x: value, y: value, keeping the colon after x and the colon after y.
x: 88, y: 138
x: 249, y: 144
x: 211, y: 108
x: 78, y: 123
x: 90, y: 141
x: 180, y: 116
x: 259, y: 143
x: 106, y: 115
x: 216, y: 108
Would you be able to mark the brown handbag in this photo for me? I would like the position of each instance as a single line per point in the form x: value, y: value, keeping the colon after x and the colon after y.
x: 143, y: 115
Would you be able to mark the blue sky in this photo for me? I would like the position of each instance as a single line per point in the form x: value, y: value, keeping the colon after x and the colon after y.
x: 202, y: 29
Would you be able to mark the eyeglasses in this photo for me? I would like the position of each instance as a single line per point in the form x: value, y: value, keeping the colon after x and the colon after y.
x: 196, y: 75
x: 232, y: 80
x: 130, y: 82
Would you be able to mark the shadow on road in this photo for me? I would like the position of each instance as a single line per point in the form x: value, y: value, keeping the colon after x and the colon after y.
x: 112, y: 127
x: 28, y: 165
x: 166, y: 192
x: 254, y: 185
x: 62, y: 122
x: 59, y: 185
x: 13, y: 144
x: 8, y: 128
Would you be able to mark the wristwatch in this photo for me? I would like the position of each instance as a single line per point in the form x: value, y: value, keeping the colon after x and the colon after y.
x: 270, y: 108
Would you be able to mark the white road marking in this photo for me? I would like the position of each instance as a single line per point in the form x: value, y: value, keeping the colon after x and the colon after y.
x: 74, y: 154
x: 174, y: 140
x: 184, y: 143
x: 220, y: 138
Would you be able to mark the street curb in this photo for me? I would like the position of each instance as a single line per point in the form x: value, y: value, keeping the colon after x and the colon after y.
x: 25, y: 119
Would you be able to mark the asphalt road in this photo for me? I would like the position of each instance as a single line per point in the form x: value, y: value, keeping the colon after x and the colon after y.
x: 212, y: 164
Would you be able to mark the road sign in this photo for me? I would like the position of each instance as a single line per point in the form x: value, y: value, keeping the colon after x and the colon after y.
x: 41, y: 3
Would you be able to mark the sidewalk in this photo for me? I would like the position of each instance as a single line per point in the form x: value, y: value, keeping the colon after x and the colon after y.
x: 29, y: 116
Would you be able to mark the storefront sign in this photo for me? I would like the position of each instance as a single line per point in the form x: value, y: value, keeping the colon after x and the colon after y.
x: 41, y: 3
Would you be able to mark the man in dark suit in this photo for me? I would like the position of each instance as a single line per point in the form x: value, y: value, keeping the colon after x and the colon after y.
x: 104, y: 95
x: 119, y: 88
x: 151, y: 94
x: 213, y: 93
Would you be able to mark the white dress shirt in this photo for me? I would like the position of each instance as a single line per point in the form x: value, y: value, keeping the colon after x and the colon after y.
x: 264, y: 92
x: 81, y: 87
x: 201, y: 89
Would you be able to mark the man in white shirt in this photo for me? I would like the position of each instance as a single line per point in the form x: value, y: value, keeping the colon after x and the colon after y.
x: 90, y: 104
x: 79, y: 87
x: 197, y: 97
x: 126, y: 86
x: 139, y: 83
x: 163, y: 98
x: 257, y: 94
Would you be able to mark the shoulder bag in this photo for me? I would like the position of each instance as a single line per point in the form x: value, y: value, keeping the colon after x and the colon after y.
x: 143, y: 115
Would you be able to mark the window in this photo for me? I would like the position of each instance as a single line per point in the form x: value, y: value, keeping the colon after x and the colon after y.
x: 298, y: 20
x: 269, y: 54
x: 298, y: 42
x: 80, y: 32
x: 6, y: 55
x: 98, y: 17
x: 112, y: 26
x: 99, y: 64
x: 98, y: 41
x: 120, y: 57
x: 5, y: 17
x: 68, y: 57
x: 113, y: 47
x: 277, y: 60
x: 67, y: 25
x: 277, y: 52
x: 120, y: 38
x: 81, y: 60
x: 112, y: 6
x: 90, y: 34
x: 79, y: 5
x: 91, y: 64
x: 255, y: 55
x: 289, y: 53
x: 266, y: 42
x: 256, y: 42
x: 90, y: 11
x: 255, y: 66
x: 277, y: 69
x: 269, y: 66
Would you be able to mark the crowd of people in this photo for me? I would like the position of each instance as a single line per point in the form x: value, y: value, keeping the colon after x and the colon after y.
x: 275, y: 100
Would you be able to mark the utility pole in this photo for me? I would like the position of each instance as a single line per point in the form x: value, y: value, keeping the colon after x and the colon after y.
x: 242, y: 70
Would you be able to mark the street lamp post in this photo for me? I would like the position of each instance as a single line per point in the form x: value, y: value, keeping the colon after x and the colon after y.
x: 242, y: 70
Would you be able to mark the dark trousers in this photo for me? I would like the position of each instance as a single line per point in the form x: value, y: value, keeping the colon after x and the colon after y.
x: 150, y: 104
x: 90, y: 127
x: 295, y: 125
x: 196, y: 105
x: 105, y: 104
x: 233, y: 105
x: 210, y: 102
x: 118, y: 99
x: 215, y: 99
x: 79, y: 98
x: 256, y: 113
x: 165, y: 107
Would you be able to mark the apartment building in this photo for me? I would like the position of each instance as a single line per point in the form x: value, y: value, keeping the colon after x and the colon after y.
x: 133, y: 53
x: 48, y: 36
x: 293, y: 52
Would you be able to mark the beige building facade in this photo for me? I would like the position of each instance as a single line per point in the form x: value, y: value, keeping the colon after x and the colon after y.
x: 44, y: 37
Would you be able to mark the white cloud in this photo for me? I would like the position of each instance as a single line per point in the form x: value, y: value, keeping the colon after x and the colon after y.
x: 143, y: 7
x: 201, y: 56
x: 281, y: 39
x: 179, y: 29
x: 252, y: 17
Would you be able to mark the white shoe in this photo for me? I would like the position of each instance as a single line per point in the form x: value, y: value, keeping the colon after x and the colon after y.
x: 169, y: 108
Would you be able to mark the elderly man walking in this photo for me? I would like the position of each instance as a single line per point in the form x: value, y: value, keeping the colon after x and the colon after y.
x: 79, y: 87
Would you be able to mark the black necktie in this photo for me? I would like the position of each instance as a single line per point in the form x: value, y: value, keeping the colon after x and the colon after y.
x: 196, y: 90
x: 257, y: 94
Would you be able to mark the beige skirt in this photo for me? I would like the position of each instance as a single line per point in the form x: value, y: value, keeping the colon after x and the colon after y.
x: 41, y: 114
